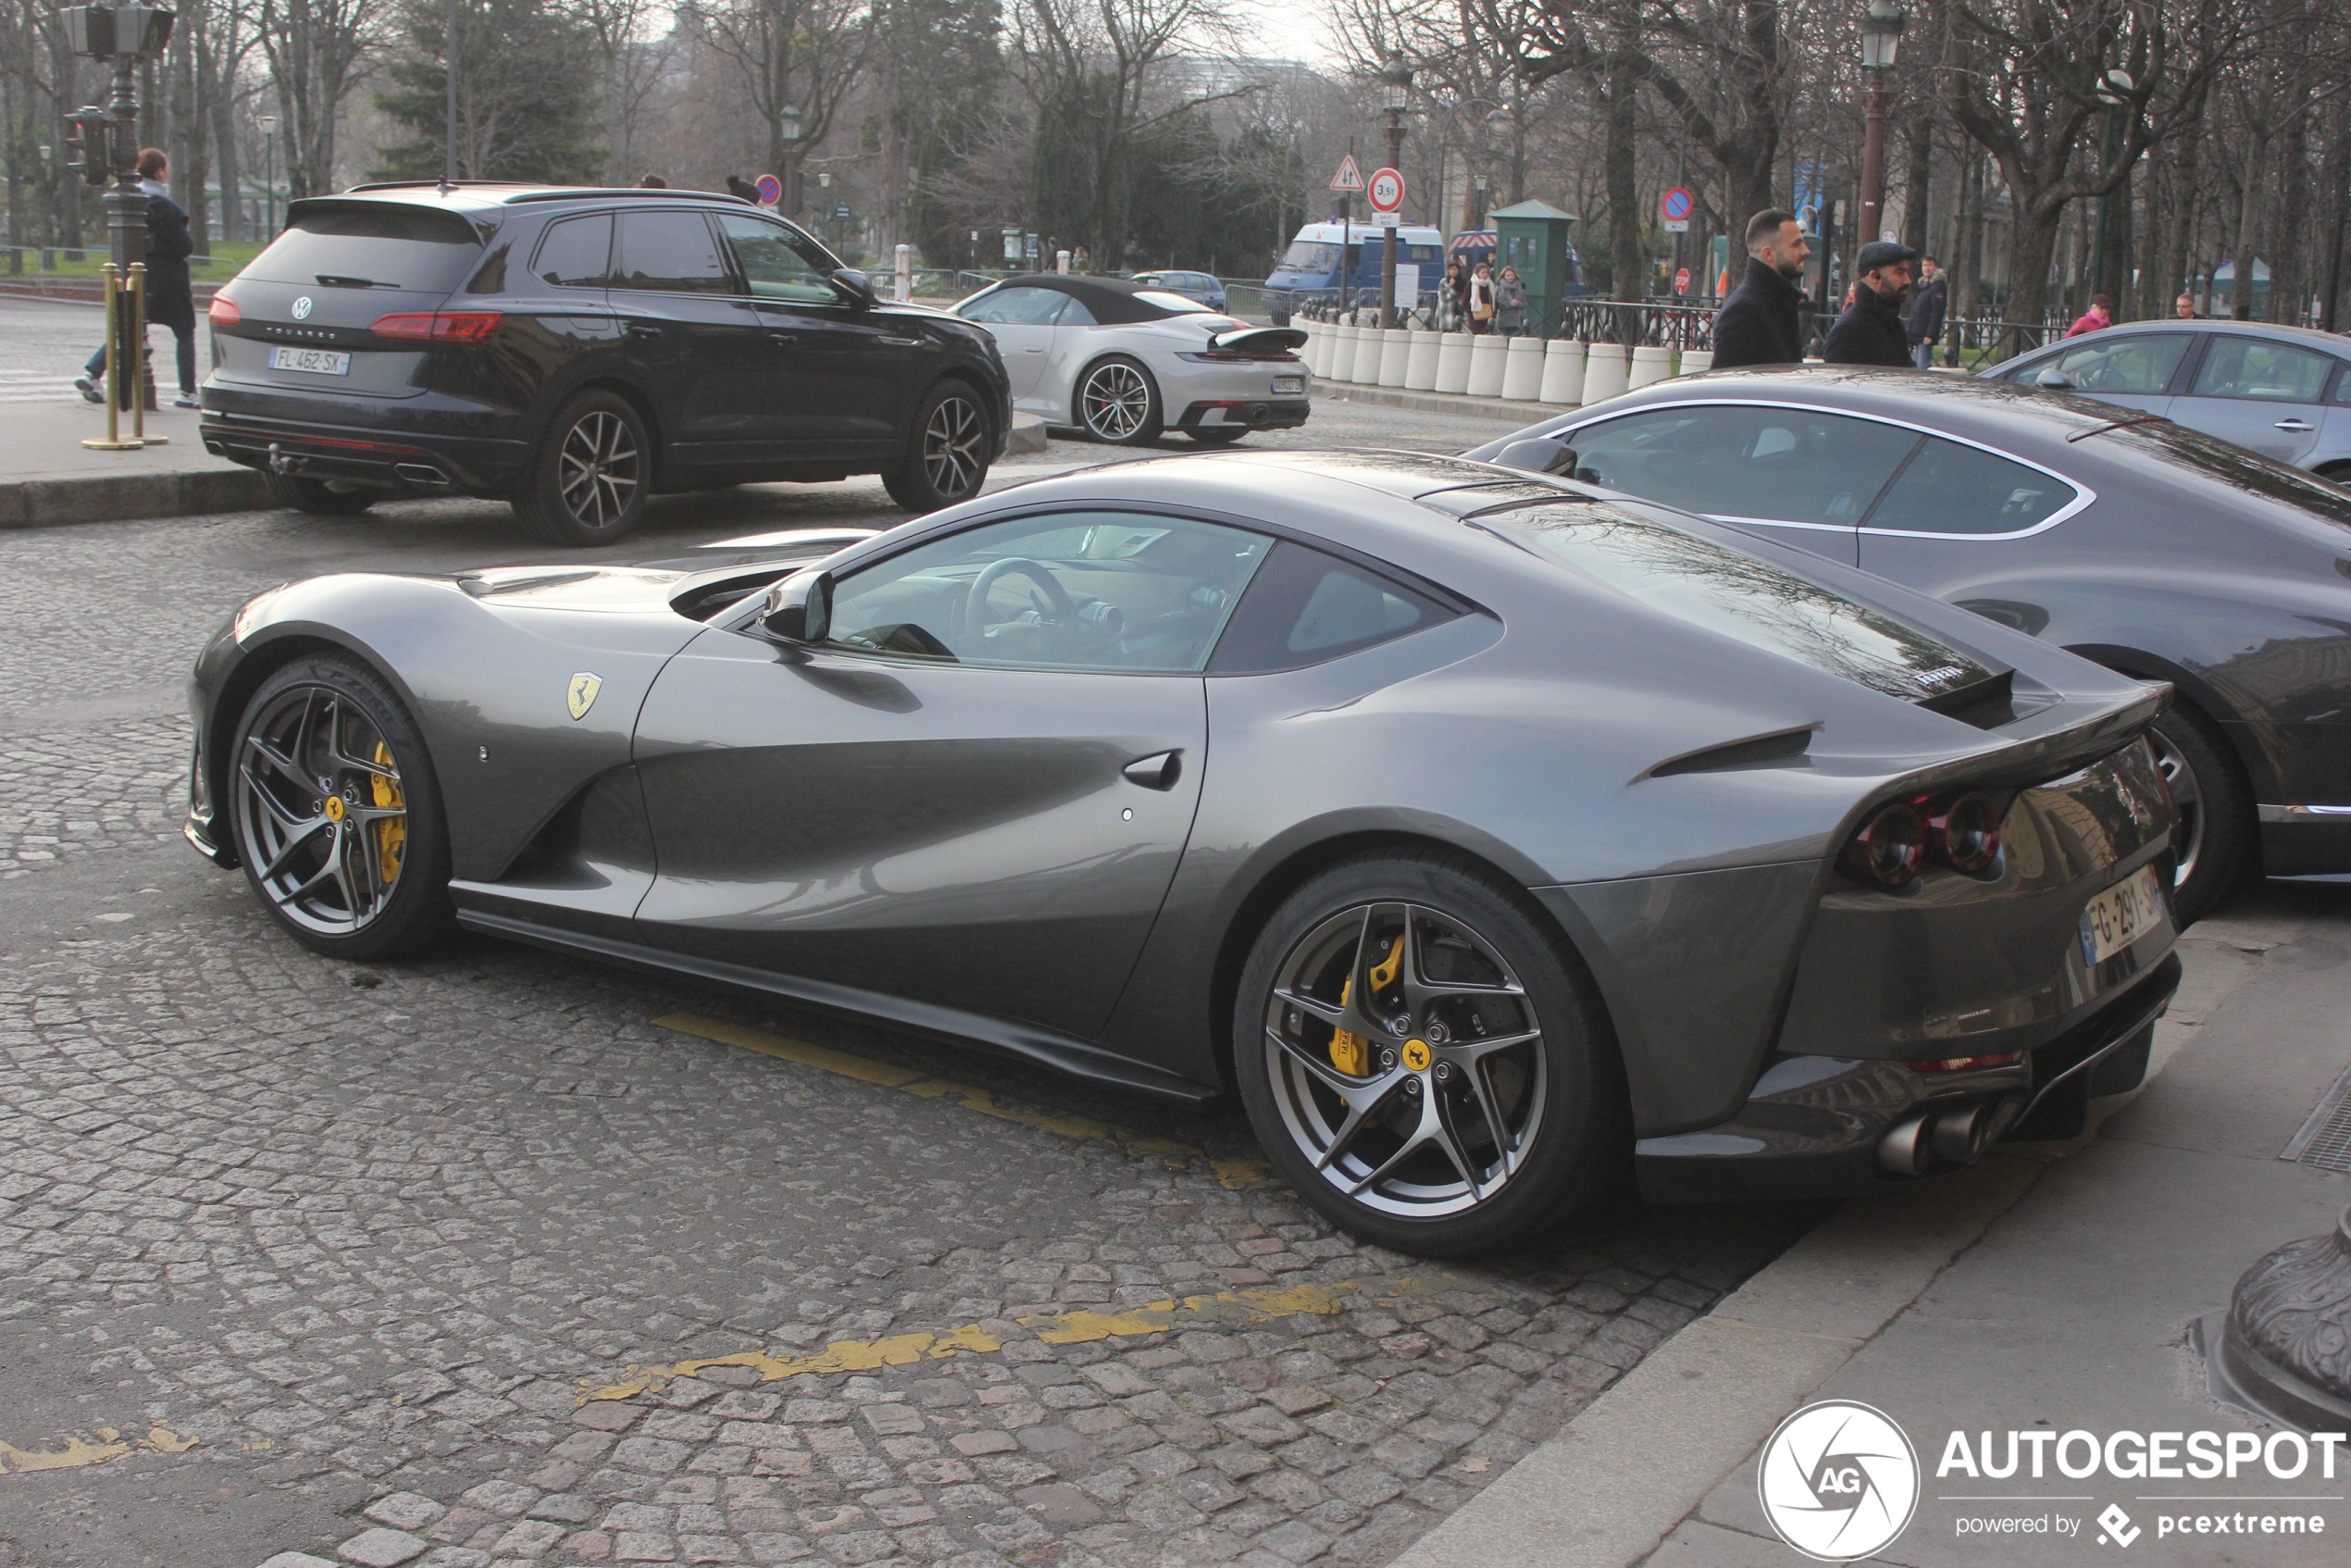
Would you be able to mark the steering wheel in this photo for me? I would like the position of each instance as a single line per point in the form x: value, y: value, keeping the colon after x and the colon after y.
x: 975, y: 621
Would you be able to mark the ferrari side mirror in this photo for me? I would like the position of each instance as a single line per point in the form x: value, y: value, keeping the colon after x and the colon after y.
x: 800, y: 608
x: 2053, y: 380
x: 1537, y: 454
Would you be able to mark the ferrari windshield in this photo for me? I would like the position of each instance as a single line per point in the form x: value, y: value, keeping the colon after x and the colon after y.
x: 1738, y: 595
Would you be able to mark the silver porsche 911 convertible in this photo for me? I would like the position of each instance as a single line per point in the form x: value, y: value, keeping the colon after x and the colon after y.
x: 1473, y: 828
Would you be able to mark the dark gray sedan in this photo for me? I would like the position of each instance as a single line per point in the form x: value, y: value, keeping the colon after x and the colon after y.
x: 1464, y: 824
x: 2154, y: 550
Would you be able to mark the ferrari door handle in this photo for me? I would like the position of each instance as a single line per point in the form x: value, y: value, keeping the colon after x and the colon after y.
x: 1158, y: 771
x: 2296, y: 425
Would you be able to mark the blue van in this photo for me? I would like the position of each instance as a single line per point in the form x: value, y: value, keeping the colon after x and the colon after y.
x: 1341, y: 262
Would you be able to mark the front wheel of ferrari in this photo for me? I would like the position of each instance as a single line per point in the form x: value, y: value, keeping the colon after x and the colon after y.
x: 1425, y: 1059
x: 336, y: 813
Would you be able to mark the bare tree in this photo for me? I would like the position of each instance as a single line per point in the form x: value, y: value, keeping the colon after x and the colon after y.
x: 796, y: 60
x: 318, y: 54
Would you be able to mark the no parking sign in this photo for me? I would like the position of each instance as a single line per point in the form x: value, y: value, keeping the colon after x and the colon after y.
x: 1677, y: 205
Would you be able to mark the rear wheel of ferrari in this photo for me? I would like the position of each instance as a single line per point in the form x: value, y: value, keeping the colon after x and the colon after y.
x: 318, y: 497
x: 336, y: 813
x: 947, y: 451
x: 1423, y: 1059
x: 590, y: 484
x: 2214, y: 845
x: 1118, y: 402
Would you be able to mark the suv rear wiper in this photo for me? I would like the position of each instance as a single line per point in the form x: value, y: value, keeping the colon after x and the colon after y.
x: 2112, y: 425
x: 338, y: 280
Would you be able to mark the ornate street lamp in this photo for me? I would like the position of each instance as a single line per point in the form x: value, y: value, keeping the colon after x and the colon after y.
x: 2113, y: 92
x: 1396, y: 96
x: 1882, y: 26
x: 788, y: 127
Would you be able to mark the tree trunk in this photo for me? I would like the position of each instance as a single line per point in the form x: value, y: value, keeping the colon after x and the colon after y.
x: 1624, y: 194
x: 1918, y: 180
x: 2032, y: 241
x: 2248, y: 229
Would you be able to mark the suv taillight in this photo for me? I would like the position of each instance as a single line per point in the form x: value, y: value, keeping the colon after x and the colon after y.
x: 439, y: 326
x: 223, y: 311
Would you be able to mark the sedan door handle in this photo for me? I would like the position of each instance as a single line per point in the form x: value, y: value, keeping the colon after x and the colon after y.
x: 643, y: 329
x: 2296, y: 424
x: 1158, y: 771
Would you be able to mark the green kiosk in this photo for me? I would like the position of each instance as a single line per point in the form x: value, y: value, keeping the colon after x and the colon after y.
x: 1532, y: 236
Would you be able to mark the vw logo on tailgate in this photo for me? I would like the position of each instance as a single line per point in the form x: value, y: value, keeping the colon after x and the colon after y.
x: 301, y: 308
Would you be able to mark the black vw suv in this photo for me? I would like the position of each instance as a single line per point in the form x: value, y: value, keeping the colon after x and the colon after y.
x: 574, y: 351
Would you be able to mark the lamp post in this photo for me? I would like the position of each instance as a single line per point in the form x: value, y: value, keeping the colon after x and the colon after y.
x: 449, y: 82
x: 269, y: 178
x: 2114, y: 94
x: 1882, y: 26
x: 788, y: 127
x: 1396, y: 96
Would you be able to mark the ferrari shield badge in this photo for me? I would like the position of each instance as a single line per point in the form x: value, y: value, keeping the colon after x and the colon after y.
x: 582, y: 695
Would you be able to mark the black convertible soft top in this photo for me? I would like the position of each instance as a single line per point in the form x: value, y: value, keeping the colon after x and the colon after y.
x: 1114, y: 301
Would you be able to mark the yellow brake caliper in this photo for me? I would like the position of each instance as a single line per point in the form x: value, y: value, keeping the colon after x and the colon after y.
x: 392, y: 832
x: 1351, y: 1053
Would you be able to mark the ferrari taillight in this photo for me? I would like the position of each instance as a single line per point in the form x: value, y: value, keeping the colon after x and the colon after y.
x: 1893, y: 844
x: 1887, y: 849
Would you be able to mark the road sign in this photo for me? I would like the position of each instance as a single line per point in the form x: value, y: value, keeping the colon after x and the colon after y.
x: 1676, y: 205
x: 841, y: 211
x: 1681, y: 281
x: 1386, y: 191
x: 771, y: 190
x: 1349, y: 177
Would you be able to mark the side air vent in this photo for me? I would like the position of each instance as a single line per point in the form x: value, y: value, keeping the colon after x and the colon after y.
x: 1775, y: 750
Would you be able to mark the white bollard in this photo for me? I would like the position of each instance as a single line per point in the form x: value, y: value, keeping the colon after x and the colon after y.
x: 1487, y: 355
x: 1651, y: 363
x: 1305, y: 351
x: 1342, y: 352
x: 1420, y: 368
x: 1696, y: 361
x: 1604, y: 373
x: 1365, y: 369
x: 1564, y: 371
x: 902, y: 274
x: 1395, y: 353
x: 1453, y: 363
x: 1523, y: 373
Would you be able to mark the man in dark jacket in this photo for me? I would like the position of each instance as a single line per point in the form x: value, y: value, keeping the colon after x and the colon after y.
x: 170, y: 300
x: 1928, y: 309
x: 1761, y: 322
x: 1872, y: 331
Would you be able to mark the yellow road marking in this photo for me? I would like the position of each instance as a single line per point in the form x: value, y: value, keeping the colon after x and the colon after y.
x: 1239, y: 1174
x: 111, y: 1445
x: 1081, y: 1326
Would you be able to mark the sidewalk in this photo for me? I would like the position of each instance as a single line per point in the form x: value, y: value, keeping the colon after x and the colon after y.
x: 2049, y: 1290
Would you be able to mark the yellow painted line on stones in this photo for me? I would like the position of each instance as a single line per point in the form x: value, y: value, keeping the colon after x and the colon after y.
x: 111, y: 1445
x: 1221, y: 1309
x: 1238, y: 1175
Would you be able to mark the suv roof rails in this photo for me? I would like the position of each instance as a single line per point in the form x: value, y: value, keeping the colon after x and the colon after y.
x: 567, y: 193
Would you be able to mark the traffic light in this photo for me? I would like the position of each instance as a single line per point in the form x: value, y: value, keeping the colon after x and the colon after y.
x: 90, y: 144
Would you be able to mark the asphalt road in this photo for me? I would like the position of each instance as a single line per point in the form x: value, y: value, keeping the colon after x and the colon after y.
x: 499, y: 1258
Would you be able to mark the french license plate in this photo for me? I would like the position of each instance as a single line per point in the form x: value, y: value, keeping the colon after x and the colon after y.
x: 312, y: 361
x: 1291, y: 384
x: 2121, y: 915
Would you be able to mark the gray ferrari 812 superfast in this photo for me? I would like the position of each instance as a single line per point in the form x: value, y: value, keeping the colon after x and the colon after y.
x: 1473, y: 828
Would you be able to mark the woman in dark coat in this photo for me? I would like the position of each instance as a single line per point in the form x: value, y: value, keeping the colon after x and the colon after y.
x: 170, y: 301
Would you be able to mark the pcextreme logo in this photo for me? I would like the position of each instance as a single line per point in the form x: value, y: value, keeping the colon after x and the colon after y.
x: 1839, y: 1481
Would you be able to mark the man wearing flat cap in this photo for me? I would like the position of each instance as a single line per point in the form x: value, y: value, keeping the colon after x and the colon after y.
x: 1872, y: 331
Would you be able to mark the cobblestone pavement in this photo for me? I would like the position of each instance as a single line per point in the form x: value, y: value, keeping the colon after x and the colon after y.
x: 498, y: 1259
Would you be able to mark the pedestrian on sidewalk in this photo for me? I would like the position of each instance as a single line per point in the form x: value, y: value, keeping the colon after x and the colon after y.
x: 1449, y: 298
x: 2100, y: 313
x: 170, y: 300
x: 1872, y: 331
x: 1481, y: 299
x: 1762, y: 321
x: 1929, y: 307
x: 2183, y: 309
x: 1509, y: 304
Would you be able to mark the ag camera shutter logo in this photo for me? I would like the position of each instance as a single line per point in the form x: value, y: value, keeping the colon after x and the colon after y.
x: 1839, y: 1481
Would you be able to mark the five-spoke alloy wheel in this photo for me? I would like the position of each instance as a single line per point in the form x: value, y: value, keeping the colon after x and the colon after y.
x: 1117, y: 403
x: 1423, y: 1058
x: 592, y: 477
x: 335, y: 813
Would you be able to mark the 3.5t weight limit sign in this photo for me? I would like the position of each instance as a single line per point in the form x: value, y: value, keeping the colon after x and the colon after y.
x: 1386, y: 191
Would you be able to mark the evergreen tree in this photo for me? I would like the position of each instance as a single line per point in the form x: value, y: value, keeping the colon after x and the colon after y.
x: 526, y: 93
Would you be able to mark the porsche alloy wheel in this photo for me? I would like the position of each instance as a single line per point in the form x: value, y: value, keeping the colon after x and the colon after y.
x: 591, y: 480
x: 1425, y: 1066
x: 1117, y: 404
x: 338, y: 834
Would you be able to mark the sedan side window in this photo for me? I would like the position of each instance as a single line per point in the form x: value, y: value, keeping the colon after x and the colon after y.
x: 1304, y: 607
x: 2140, y: 363
x: 1952, y: 489
x: 2259, y: 369
x: 1778, y: 464
x: 1106, y: 590
x: 670, y: 253
x: 1015, y: 307
x: 775, y: 264
x: 573, y: 252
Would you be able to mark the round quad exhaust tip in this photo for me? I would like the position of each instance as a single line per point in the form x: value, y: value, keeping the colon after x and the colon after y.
x: 1957, y: 1137
x: 1906, y: 1149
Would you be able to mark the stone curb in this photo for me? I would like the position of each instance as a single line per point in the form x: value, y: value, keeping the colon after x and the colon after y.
x: 1028, y: 434
x: 113, y: 498
x: 1442, y: 402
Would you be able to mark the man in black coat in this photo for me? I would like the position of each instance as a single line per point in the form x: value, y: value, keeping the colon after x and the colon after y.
x: 170, y: 299
x: 1929, y: 306
x: 1762, y: 321
x: 1872, y: 331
